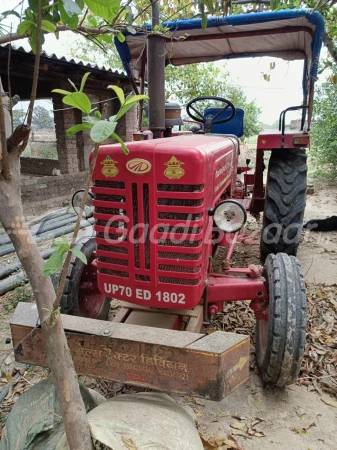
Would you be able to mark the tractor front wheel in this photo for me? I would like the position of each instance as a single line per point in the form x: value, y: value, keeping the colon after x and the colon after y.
x: 81, y: 296
x: 280, y: 335
x: 284, y: 202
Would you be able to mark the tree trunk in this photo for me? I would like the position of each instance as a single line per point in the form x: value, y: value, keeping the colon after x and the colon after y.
x: 59, y: 357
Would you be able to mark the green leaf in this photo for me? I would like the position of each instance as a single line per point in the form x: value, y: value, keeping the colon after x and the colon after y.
x: 107, y: 38
x: 71, y: 21
x: 119, y: 92
x: 33, y: 39
x: 71, y: 8
x: 135, y: 98
x: 25, y: 27
x: 54, y: 262
x: 76, y: 128
x: 121, y: 37
x: 92, y: 20
x: 61, y: 242
x: 73, y: 85
x: 80, y: 3
x: 203, y: 15
x: 80, y: 255
x: 98, y: 115
x: 56, y: 15
x: 30, y: 15
x: 204, y: 21
x: 84, y: 79
x: 130, y: 19
x: 120, y: 141
x: 33, y: 4
x: 209, y: 4
x: 11, y: 12
x: 79, y: 100
x: 333, y: 79
x: 106, y: 9
x: 64, y: 241
x: 61, y: 91
x: 102, y: 130
x: 90, y: 119
x: 48, y: 26
x: 128, y: 104
x: 131, y: 30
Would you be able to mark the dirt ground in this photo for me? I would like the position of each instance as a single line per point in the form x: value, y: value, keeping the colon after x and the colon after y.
x: 302, y: 416
x: 318, y: 252
x: 296, y: 417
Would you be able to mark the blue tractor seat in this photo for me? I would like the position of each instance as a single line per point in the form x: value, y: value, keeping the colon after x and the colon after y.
x: 234, y: 126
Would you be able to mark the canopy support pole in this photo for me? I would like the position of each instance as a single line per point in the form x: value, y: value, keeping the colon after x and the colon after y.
x: 156, y: 76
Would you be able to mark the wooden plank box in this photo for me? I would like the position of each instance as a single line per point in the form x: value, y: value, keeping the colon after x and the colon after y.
x: 188, y: 363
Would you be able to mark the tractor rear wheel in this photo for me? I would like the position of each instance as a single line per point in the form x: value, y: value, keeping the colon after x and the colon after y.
x: 280, y: 336
x: 81, y: 296
x: 284, y: 202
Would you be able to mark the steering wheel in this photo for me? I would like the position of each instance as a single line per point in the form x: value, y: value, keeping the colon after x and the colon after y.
x: 210, y: 120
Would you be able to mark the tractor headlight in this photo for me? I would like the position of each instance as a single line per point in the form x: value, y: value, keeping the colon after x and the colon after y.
x: 230, y: 216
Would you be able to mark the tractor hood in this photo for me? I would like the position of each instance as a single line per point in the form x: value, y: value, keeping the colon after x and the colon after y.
x: 287, y: 34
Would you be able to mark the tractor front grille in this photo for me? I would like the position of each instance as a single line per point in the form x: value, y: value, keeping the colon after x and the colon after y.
x: 179, y: 243
x: 179, y: 202
x: 116, y: 273
x: 180, y: 237
x: 181, y: 281
x: 110, y: 184
x: 112, y: 248
x: 180, y: 187
x: 179, y: 216
x: 119, y: 262
x: 179, y: 256
x: 149, y: 233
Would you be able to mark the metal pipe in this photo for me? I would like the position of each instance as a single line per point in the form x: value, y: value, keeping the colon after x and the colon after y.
x: 8, y: 270
x: 156, y: 76
x: 6, y: 249
x: 45, y: 226
x: 12, y: 282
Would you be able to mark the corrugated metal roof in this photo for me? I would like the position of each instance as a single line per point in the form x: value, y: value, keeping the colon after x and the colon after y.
x: 76, y: 61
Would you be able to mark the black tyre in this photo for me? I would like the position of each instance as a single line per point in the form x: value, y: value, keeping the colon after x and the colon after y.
x: 284, y: 202
x: 280, y: 338
x: 81, y: 296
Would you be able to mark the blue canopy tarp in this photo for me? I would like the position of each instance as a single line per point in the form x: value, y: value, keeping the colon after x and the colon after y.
x: 286, y: 34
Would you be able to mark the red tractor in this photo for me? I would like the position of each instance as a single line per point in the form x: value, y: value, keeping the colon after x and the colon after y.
x: 163, y: 211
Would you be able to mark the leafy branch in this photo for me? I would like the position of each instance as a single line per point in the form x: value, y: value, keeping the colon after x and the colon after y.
x: 53, y: 313
x: 55, y: 261
x: 101, y: 129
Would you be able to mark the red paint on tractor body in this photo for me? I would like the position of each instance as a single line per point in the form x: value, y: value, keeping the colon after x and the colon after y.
x: 268, y: 140
x: 167, y: 266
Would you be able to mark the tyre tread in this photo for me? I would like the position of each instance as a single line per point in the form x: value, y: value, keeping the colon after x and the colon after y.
x: 280, y: 363
x: 284, y: 200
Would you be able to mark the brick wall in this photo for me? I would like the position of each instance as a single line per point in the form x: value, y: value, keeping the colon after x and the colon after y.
x: 73, y: 152
x: 38, y: 166
x: 67, y: 148
x: 44, y: 193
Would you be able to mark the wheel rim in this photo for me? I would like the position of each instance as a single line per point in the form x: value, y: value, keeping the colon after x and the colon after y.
x: 90, y: 300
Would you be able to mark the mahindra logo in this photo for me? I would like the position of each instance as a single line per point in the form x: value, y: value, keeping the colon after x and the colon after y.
x: 138, y: 166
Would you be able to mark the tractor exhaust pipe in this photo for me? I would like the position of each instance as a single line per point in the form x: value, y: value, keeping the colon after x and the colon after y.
x: 156, y: 76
